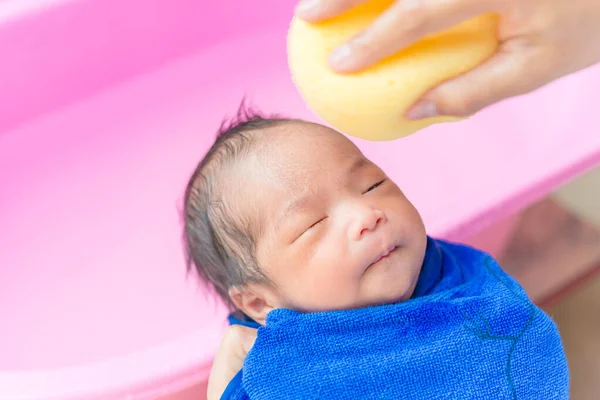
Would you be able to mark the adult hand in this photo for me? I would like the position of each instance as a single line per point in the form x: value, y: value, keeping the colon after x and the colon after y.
x: 540, y: 41
x: 236, y: 344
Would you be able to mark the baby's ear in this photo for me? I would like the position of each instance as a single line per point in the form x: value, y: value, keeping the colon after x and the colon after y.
x: 253, y: 300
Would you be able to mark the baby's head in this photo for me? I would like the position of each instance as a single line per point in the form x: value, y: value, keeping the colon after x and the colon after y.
x: 285, y: 213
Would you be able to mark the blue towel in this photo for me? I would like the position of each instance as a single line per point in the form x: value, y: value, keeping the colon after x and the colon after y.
x: 468, y: 332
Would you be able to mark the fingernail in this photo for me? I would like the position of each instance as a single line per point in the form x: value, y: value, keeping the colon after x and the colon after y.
x: 422, y: 109
x: 341, y: 57
x: 307, y: 7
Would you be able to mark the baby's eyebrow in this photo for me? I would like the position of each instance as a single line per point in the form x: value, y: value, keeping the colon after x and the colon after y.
x: 357, y: 164
x: 294, y: 206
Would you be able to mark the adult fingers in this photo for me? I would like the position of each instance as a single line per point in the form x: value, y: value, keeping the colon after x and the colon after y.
x: 248, y: 337
x: 236, y: 343
x: 506, y: 74
x: 318, y: 10
x: 402, y: 24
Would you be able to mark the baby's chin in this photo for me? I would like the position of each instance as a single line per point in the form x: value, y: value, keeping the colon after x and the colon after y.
x: 390, y: 283
x: 373, y: 294
x: 368, y: 297
x: 390, y: 296
x: 380, y: 298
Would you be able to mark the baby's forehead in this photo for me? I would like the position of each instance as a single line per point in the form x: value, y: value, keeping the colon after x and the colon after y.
x: 286, y: 159
x: 300, y: 148
x: 297, y: 158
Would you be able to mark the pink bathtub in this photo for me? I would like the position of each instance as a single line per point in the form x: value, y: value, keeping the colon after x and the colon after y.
x: 105, y: 107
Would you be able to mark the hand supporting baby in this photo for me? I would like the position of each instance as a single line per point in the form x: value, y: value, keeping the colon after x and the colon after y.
x: 540, y: 41
x: 236, y: 343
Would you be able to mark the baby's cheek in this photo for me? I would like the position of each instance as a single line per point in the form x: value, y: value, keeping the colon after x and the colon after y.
x: 326, y: 283
x: 405, y: 217
x: 337, y: 269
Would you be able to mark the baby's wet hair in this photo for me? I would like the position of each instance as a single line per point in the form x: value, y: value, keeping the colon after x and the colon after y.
x: 221, y: 246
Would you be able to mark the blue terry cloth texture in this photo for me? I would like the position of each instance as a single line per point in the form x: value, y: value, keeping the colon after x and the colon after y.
x: 468, y: 332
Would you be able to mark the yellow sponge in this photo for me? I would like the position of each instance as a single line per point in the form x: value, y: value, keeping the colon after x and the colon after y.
x: 371, y: 104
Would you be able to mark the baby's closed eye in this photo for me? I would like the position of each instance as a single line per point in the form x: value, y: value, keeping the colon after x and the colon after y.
x: 374, y: 186
x: 317, y: 222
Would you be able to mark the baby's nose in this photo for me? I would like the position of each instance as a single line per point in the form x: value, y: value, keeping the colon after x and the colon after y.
x: 366, y: 220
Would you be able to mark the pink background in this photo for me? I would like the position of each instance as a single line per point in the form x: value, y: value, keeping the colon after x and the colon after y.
x: 106, y: 106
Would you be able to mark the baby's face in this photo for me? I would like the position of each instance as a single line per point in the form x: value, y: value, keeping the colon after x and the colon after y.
x: 337, y: 233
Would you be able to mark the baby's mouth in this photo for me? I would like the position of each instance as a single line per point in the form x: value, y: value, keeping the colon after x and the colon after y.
x: 384, y: 255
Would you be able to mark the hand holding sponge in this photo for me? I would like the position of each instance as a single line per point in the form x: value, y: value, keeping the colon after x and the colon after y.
x: 372, y: 103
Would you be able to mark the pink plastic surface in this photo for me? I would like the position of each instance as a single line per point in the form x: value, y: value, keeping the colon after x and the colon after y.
x: 106, y: 106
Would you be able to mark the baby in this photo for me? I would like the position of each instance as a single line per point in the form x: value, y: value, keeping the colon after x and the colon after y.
x: 310, y: 241
x: 290, y: 214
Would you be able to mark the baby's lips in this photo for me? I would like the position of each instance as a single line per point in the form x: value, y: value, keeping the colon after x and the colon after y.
x: 385, y: 253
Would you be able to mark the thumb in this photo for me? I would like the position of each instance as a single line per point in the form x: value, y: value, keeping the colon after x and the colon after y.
x: 507, y: 73
x: 248, y: 338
